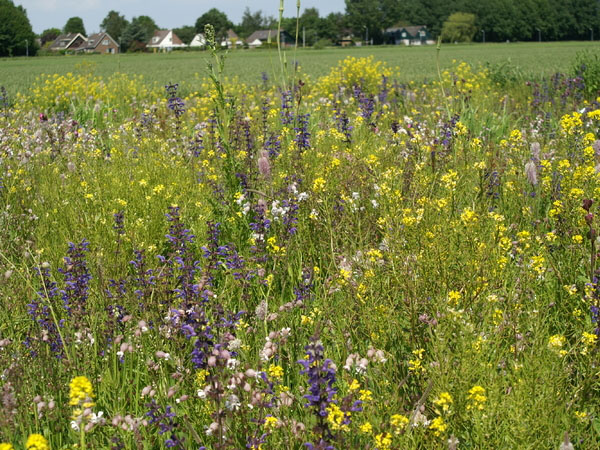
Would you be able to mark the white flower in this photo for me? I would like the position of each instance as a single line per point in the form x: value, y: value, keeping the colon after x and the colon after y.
x: 120, y: 354
x: 355, y: 196
x: 302, y: 196
x: 374, y: 203
x: 74, y: 425
x: 96, y: 417
x: 232, y: 363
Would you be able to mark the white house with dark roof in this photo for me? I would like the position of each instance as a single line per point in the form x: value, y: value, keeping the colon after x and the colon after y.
x: 198, y: 41
x: 165, y: 40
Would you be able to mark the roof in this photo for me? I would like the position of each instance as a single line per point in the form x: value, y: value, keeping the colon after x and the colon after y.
x: 160, y: 35
x: 412, y: 30
x: 262, y: 35
x: 94, y: 40
x: 65, y: 41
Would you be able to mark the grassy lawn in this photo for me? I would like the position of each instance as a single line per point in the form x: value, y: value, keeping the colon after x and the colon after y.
x: 415, y: 63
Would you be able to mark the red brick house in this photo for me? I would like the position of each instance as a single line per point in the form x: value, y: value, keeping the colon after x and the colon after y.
x: 99, y: 43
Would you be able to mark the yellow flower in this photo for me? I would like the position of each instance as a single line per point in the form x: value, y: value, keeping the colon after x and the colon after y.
x: 399, y: 422
x: 6, y: 446
x: 335, y: 417
x: 275, y: 371
x: 438, y: 425
x: 383, y: 441
x: 36, y: 442
x: 476, y: 398
x: 444, y: 401
x: 81, y: 392
x: 354, y: 385
x: 556, y: 342
x: 365, y: 395
x: 271, y: 422
x: 454, y: 297
x: 364, y: 428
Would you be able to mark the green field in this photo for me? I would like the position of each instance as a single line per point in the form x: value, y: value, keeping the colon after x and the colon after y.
x: 415, y: 63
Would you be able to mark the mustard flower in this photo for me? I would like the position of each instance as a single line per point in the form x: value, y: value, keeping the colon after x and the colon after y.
x: 6, y: 446
x: 81, y: 392
x: 399, y: 422
x: 36, y: 442
x: 438, y: 425
x: 366, y: 428
x: 383, y: 441
x: 271, y: 422
x: 476, y: 398
x: 444, y: 401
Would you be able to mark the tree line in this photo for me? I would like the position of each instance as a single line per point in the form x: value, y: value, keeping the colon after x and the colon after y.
x: 464, y: 20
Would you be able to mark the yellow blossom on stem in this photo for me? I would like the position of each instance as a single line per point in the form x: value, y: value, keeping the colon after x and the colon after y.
x: 476, y: 398
x: 36, y: 442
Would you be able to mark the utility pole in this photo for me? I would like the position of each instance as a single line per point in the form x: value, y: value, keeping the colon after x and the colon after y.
x: 539, y: 34
x: 366, y: 35
x: 303, y: 37
x: 591, y: 34
x: 26, y: 47
x: 483, y: 31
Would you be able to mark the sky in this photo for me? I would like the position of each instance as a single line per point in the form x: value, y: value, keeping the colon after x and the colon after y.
x: 44, y: 14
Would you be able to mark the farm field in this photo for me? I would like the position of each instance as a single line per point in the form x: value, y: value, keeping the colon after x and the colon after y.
x: 375, y: 257
x: 414, y: 63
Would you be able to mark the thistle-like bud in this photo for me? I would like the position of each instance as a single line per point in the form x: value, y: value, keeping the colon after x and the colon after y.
x: 531, y: 173
x: 209, y: 34
x: 587, y: 204
x: 264, y: 166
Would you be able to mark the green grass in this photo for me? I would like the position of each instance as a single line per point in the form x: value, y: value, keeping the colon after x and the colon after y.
x: 415, y: 63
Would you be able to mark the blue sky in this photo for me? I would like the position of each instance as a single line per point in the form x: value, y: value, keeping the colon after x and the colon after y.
x: 45, y: 14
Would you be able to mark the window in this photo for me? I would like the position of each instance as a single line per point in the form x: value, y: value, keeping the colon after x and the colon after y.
x: 404, y: 34
x: 105, y: 42
x: 155, y: 39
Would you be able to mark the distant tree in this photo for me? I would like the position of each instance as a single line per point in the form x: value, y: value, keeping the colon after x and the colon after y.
x: 16, y: 34
x: 49, y: 35
x: 365, y: 17
x: 74, y: 25
x: 252, y: 22
x: 114, y: 24
x: 310, y: 25
x: 138, y: 33
x: 459, y: 27
x: 217, y: 19
x: 185, y: 33
x: 333, y: 27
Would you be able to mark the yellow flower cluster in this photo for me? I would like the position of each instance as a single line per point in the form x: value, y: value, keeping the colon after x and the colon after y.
x: 477, y: 398
x: 37, y: 442
x: 81, y: 392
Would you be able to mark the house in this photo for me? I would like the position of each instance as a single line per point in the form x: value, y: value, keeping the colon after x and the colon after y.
x: 412, y: 35
x: 99, y: 43
x: 165, y: 40
x: 345, y: 41
x: 198, y: 41
x: 68, y: 42
x: 261, y: 37
x: 231, y: 39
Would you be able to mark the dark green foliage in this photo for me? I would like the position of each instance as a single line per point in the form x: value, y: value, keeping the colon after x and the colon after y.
x: 459, y: 27
x: 114, y: 24
x: 138, y: 33
x: 217, y: 19
x: 74, y: 25
x: 49, y: 35
x: 587, y: 66
x: 502, y: 20
x: 253, y: 21
x: 16, y: 34
x: 185, y: 33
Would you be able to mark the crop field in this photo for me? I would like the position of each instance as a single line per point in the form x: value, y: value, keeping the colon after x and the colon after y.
x: 368, y: 253
x: 533, y: 60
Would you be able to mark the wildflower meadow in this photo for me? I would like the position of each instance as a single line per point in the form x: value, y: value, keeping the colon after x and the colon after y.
x: 337, y: 262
